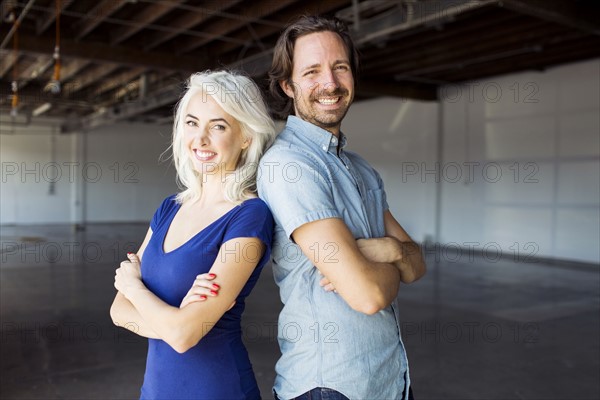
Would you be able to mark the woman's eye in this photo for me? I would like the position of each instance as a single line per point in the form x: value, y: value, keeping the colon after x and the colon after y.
x: 191, y: 123
x: 219, y: 127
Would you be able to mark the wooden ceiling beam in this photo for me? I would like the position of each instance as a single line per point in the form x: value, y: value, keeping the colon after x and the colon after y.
x: 154, y: 81
x: 139, y: 21
x: 35, y: 95
x: 568, y: 51
x: 7, y: 61
x: 574, y: 14
x: 96, y: 16
x: 104, y: 53
x: 35, y: 70
x: 186, y: 21
x: 72, y: 67
x: 464, y: 52
x: 224, y: 26
x: 89, y: 77
x: 285, y: 16
x: 120, y: 79
x: 451, y: 33
x: 162, y: 97
x: 48, y: 18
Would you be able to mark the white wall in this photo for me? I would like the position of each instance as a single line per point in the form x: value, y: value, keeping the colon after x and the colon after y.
x: 134, y: 181
x: 397, y: 137
x: 519, y: 172
x: 29, y: 166
x: 534, y: 138
x: 105, y: 175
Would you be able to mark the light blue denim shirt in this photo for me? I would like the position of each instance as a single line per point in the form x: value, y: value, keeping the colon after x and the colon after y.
x: 324, y: 342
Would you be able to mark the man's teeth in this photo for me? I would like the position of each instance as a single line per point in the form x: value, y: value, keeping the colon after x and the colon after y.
x: 329, y: 100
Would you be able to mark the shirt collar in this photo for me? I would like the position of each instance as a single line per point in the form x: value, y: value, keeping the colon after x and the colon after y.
x: 315, y: 136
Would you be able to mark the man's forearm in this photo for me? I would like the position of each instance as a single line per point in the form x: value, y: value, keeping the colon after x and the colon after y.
x: 386, y: 278
x: 405, y: 256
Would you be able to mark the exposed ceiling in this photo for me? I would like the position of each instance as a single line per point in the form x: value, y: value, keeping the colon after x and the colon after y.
x: 127, y: 59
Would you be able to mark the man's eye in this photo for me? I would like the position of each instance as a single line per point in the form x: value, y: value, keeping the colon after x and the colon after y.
x: 311, y: 72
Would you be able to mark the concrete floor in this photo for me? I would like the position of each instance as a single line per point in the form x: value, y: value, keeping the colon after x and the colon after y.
x: 474, y: 327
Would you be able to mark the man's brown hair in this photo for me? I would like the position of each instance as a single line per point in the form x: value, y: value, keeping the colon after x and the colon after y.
x: 283, y: 55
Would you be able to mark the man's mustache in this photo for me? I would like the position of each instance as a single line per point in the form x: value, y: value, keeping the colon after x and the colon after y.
x: 328, y: 93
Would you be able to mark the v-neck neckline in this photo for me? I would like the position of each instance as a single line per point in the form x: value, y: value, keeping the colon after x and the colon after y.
x: 162, y: 243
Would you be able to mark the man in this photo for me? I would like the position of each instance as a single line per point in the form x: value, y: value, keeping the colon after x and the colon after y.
x: 338, y: 254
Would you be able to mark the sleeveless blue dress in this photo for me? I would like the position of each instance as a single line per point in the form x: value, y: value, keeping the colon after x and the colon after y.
x: 218, y: 367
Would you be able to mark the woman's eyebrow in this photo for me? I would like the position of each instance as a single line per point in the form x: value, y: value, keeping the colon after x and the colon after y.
x: 219, y: 119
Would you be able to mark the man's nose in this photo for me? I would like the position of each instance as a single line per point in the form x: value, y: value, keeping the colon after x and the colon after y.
x: 330, y: 81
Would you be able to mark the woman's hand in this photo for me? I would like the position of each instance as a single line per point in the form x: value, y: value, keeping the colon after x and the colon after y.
x: 203, y: 287
x: 128, y: 276
x: 326, y: 285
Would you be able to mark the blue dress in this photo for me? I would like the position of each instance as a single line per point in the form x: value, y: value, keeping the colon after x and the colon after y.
x: 218, y: 367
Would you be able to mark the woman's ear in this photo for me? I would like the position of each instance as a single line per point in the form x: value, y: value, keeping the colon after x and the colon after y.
x: 246, y: 143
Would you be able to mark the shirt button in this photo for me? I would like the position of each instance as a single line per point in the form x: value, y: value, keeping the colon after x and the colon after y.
x: 325, y: 148
x: 334, y: 140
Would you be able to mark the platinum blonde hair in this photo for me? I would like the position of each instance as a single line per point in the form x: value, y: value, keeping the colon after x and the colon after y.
x: 239, y: 97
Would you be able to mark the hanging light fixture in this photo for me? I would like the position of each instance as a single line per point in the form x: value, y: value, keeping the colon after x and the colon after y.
x: 54, y: 85
x: 14, y: 85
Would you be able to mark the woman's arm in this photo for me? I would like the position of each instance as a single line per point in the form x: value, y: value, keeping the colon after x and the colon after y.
x: 182, y: 328
x: 124, y: 314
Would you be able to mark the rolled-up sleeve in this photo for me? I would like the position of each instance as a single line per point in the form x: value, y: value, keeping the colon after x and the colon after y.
x: 295, y: 189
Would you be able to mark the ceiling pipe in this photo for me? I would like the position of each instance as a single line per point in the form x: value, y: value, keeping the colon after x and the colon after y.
x: 12, y: 30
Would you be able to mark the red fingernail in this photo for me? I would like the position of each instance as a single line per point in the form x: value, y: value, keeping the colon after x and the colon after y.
x: 129, y: 254
x: 213, y: 293
x: 202, y: 297
x: 212, y: 275
x: 216, y: 286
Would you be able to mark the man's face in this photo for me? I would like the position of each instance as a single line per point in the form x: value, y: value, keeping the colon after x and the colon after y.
x: 322, y: 84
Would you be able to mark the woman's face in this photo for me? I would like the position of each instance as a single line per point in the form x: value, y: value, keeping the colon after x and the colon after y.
x: 212, y: 137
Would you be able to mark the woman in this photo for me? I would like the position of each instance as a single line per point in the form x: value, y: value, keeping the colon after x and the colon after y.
x: 215, y: 233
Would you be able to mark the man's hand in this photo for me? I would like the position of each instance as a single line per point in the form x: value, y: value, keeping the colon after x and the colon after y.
x: 406, y: 256
x: 379, y: 250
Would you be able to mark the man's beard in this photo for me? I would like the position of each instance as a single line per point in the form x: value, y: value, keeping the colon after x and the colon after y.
x: 323, y: 118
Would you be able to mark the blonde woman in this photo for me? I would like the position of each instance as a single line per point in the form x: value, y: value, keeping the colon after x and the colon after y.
x: 205, y: 248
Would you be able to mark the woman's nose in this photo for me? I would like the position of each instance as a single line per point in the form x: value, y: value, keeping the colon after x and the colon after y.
x: 202, y: 137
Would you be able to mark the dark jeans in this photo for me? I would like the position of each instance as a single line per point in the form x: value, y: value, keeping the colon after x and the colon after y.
x: 328, y: 394
x: 318, y: 394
